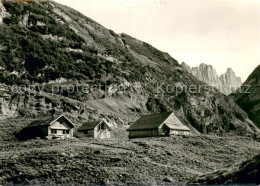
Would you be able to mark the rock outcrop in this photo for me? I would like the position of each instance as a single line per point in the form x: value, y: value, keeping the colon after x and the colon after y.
x: 226, y: 83
x: 3, y: 13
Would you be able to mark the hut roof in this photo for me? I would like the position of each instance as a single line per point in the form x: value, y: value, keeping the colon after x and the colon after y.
x: 47, y: 122
x: 153, y: 121
x: 178, y: 127
x: 91, y: 125
x: 148, y: 122
x: 173, y: 122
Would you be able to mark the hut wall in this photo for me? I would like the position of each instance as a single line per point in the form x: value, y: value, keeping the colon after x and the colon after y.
x: 96, y: 132
x: 60, y: 126
x: 101, y: 134
x: 88, y: 133
x: 143, y: 133
x: 179, y: 132
x: 33, y: 132
x: 43, y: 132
x: 108, y: 134
x: 91, y: 133
x: 161, y: 131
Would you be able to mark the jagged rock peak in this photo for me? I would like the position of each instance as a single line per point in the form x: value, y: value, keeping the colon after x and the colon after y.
x: 230, y: 72
x: 226, y: 83
x: 230, y: 78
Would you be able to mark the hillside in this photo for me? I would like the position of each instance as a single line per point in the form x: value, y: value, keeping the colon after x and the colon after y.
x: 51, y: 48
x: 248, y: 96
x: 246, y: 172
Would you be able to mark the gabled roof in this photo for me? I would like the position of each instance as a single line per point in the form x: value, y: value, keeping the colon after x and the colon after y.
x: 91, y: 125
x: 148, y: 122
x: 154, y: 121
x: 48, y: 121
x: 178, y: 127
x: 173, y: 122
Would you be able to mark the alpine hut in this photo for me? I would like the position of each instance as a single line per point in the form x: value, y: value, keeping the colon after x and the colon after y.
x: 95, y: 129
x: 58, y: 127
x: 163, y: 124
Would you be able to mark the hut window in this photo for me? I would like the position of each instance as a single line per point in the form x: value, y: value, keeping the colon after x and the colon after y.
x: 53, y: 131
x: 66, y: 132
x: 102, y: 126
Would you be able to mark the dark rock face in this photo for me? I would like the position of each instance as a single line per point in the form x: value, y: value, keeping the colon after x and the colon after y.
x: 51, y: 48
x: 248, y: 96
x: 226, y: 83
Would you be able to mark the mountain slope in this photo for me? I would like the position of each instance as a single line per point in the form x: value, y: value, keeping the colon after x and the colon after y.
x: 226, y: 83
x: 50, y: 48
x: 248, y: 96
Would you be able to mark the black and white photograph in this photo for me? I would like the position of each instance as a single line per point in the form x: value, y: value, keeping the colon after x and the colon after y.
x: 130, y: 92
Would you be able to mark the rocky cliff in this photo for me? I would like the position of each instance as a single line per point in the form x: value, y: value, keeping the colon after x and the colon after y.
x: 205, y: 73
x: 248, y: 96
x: 226, y: 83
x: 54, y: 57
x: 229, y: 79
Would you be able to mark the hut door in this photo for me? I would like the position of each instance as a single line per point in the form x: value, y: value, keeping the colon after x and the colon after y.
x: 166, y: 130
x: 102, y: 126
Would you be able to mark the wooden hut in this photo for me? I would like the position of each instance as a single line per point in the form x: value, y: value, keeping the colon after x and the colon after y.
x: 58, y: 127
x: 163, y: 124
x: 96, y: 129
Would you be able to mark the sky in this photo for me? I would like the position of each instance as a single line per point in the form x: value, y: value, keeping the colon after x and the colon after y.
x: 223, y: 33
